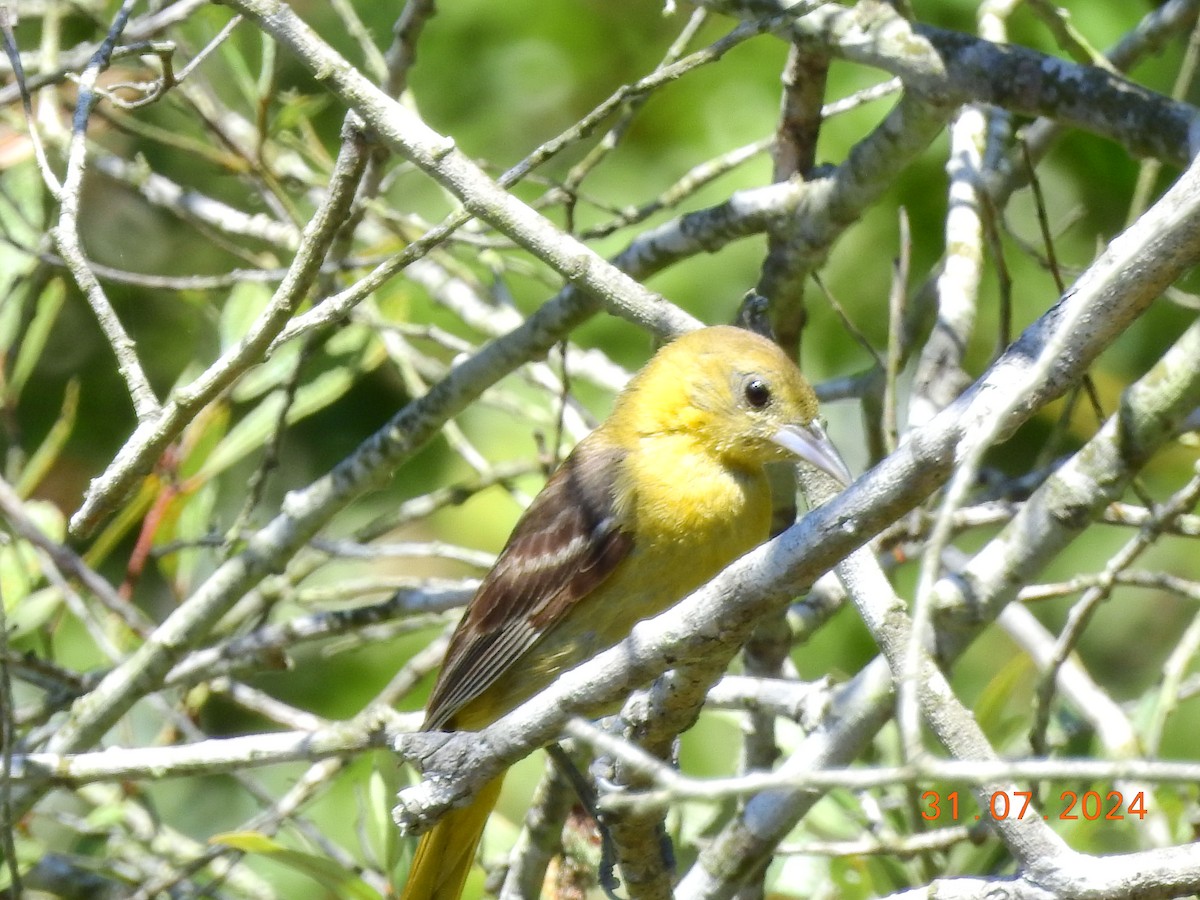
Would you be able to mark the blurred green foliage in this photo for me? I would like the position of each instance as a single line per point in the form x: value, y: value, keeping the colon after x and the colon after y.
x: 502, y: 78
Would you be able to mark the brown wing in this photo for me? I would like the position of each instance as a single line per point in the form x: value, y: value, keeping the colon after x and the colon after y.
x: 566, y: 544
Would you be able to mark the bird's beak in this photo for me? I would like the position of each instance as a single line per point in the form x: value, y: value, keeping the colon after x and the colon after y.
x: 810, y: 443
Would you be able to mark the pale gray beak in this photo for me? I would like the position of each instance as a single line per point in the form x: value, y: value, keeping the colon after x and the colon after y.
x: 810, y: 443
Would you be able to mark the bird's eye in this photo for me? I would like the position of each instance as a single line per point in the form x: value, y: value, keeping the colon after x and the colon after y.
x: 758, y: 394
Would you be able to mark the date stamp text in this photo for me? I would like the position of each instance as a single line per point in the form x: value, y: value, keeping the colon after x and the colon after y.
x: 1108, y: 806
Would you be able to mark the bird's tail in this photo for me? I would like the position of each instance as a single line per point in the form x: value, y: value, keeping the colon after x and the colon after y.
x: 444, y: 856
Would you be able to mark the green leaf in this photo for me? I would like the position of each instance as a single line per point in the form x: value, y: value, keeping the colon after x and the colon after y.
x: 382, y: 834
x: 32, y: 612
x: 203, y: 435
x: 126, y: 519
x: 240, y: 310
x: 25, y: 608
x: 259, y: 424
x: 268, y: 375
x: 238, y: 315
x: 194, y: 515
x: 298, y: 109
x: 994, y: 710
x: 321, y: 869
x: 20, y: 569
x: 44, y: 457
x: 107, y: 815
x: 33, y: 344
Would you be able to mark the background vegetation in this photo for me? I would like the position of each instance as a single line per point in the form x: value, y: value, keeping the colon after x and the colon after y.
x: 271, y: 400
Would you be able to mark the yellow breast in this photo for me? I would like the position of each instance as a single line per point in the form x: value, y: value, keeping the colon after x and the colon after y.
x: 692, y: 517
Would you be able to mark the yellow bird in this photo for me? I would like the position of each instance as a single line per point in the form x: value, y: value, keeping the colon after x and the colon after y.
x: 649, y: 506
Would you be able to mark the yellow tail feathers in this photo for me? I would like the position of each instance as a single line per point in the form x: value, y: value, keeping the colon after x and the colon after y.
x: 445, y: 854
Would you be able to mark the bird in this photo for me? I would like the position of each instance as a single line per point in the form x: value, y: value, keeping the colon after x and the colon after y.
x: 653, y: 503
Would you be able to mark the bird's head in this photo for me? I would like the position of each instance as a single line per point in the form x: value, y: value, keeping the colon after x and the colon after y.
x: 737, y: 394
